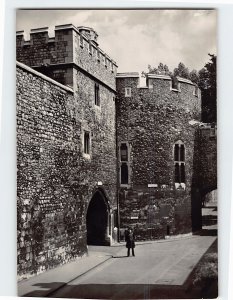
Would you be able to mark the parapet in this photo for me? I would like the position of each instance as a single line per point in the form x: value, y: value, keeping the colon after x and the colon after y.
x: 128, y: 75
x: 155, y: 81
x: 35, y: 34
x: 41, y: 36
x: 69, y: 45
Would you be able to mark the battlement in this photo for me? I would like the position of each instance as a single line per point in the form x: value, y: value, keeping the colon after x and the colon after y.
x: 88, y: 34
x: 158, y: 81
x: 69, y: 45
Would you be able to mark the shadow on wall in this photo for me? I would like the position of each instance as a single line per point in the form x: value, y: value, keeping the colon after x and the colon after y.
x: 196, y: 213
x: 204, y: 181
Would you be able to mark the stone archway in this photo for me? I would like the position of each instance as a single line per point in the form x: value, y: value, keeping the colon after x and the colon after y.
x: 199, y: 196
x: 97, y: 220
x: 210, y: 211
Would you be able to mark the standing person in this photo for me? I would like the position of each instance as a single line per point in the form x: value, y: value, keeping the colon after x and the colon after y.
x: 129, y: 238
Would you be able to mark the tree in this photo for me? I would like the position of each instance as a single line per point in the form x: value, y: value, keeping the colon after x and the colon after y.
x: 194, y: 76
x: 181, y: 71
x: 161, y: 70
x: 205, y: 79
x: 208, y: 86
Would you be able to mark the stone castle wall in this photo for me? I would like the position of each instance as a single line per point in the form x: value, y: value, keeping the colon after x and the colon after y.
x: 207, y: 147
x: 55, y: 181
x: 151, y: 121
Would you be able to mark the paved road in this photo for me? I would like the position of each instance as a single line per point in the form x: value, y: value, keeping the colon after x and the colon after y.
x: 162, y: 266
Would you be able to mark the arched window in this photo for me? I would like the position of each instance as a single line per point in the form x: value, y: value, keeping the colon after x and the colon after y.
x: 179, y: 162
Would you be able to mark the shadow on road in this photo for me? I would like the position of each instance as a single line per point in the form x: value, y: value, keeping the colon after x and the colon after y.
x: 131, y: 291
x: 139, y: 291
x: 207, y: 232
x: 120, y: 291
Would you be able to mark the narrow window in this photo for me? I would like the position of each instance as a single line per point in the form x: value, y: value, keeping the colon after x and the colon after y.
x: 124, y: 152
x: 97, y: 95
x: 177, y: 172
x: 86, y: 142
x: 124, y: 173
x: 179, y: 162
x: 182, y: 158
x: 98, y: 55
x: 124, y: 163
x: 176, y: 152
x: 182, y: 172
x: 81, y: 40
x: 127, y: 92
x: 174, y: 83
x: 196, y: 90
x: 90, y: 48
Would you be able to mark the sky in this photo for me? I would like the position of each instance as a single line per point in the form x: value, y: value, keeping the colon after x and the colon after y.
x: 138, y: 38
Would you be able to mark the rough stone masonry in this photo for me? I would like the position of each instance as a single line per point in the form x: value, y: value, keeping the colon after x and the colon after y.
x: 96, y: 152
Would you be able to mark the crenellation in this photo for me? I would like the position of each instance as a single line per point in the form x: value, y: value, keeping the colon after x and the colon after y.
x: 156, y: 82
x: 70, y: 44
x: 87, y: 133
x: 39, y: 36
x: 51, y: 121
x: 151, y: 120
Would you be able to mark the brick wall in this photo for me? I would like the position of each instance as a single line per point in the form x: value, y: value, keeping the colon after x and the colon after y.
x: 151, y: 121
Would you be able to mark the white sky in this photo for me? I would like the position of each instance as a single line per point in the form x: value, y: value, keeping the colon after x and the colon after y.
x: 136, y: 38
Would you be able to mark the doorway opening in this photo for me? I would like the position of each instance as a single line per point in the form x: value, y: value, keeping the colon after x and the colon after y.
x: 97, y: 220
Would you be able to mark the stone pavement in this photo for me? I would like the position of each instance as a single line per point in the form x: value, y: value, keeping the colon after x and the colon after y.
x: 161, y: 263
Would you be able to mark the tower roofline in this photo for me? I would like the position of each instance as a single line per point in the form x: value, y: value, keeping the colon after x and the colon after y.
x: 128, y: 75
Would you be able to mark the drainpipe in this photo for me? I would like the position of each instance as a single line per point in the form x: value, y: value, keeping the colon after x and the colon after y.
x: 118, y: 215
x: 117, y: 174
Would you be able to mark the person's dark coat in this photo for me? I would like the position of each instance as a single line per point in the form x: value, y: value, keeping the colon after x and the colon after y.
x: 129, y: 238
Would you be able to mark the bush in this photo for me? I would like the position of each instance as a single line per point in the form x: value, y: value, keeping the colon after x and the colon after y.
x: 207, y: 271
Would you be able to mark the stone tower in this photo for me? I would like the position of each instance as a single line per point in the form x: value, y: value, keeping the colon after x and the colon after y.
x: 66, y: 152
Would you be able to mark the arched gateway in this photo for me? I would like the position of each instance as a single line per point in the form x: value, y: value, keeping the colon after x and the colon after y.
x: 98, y: 220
